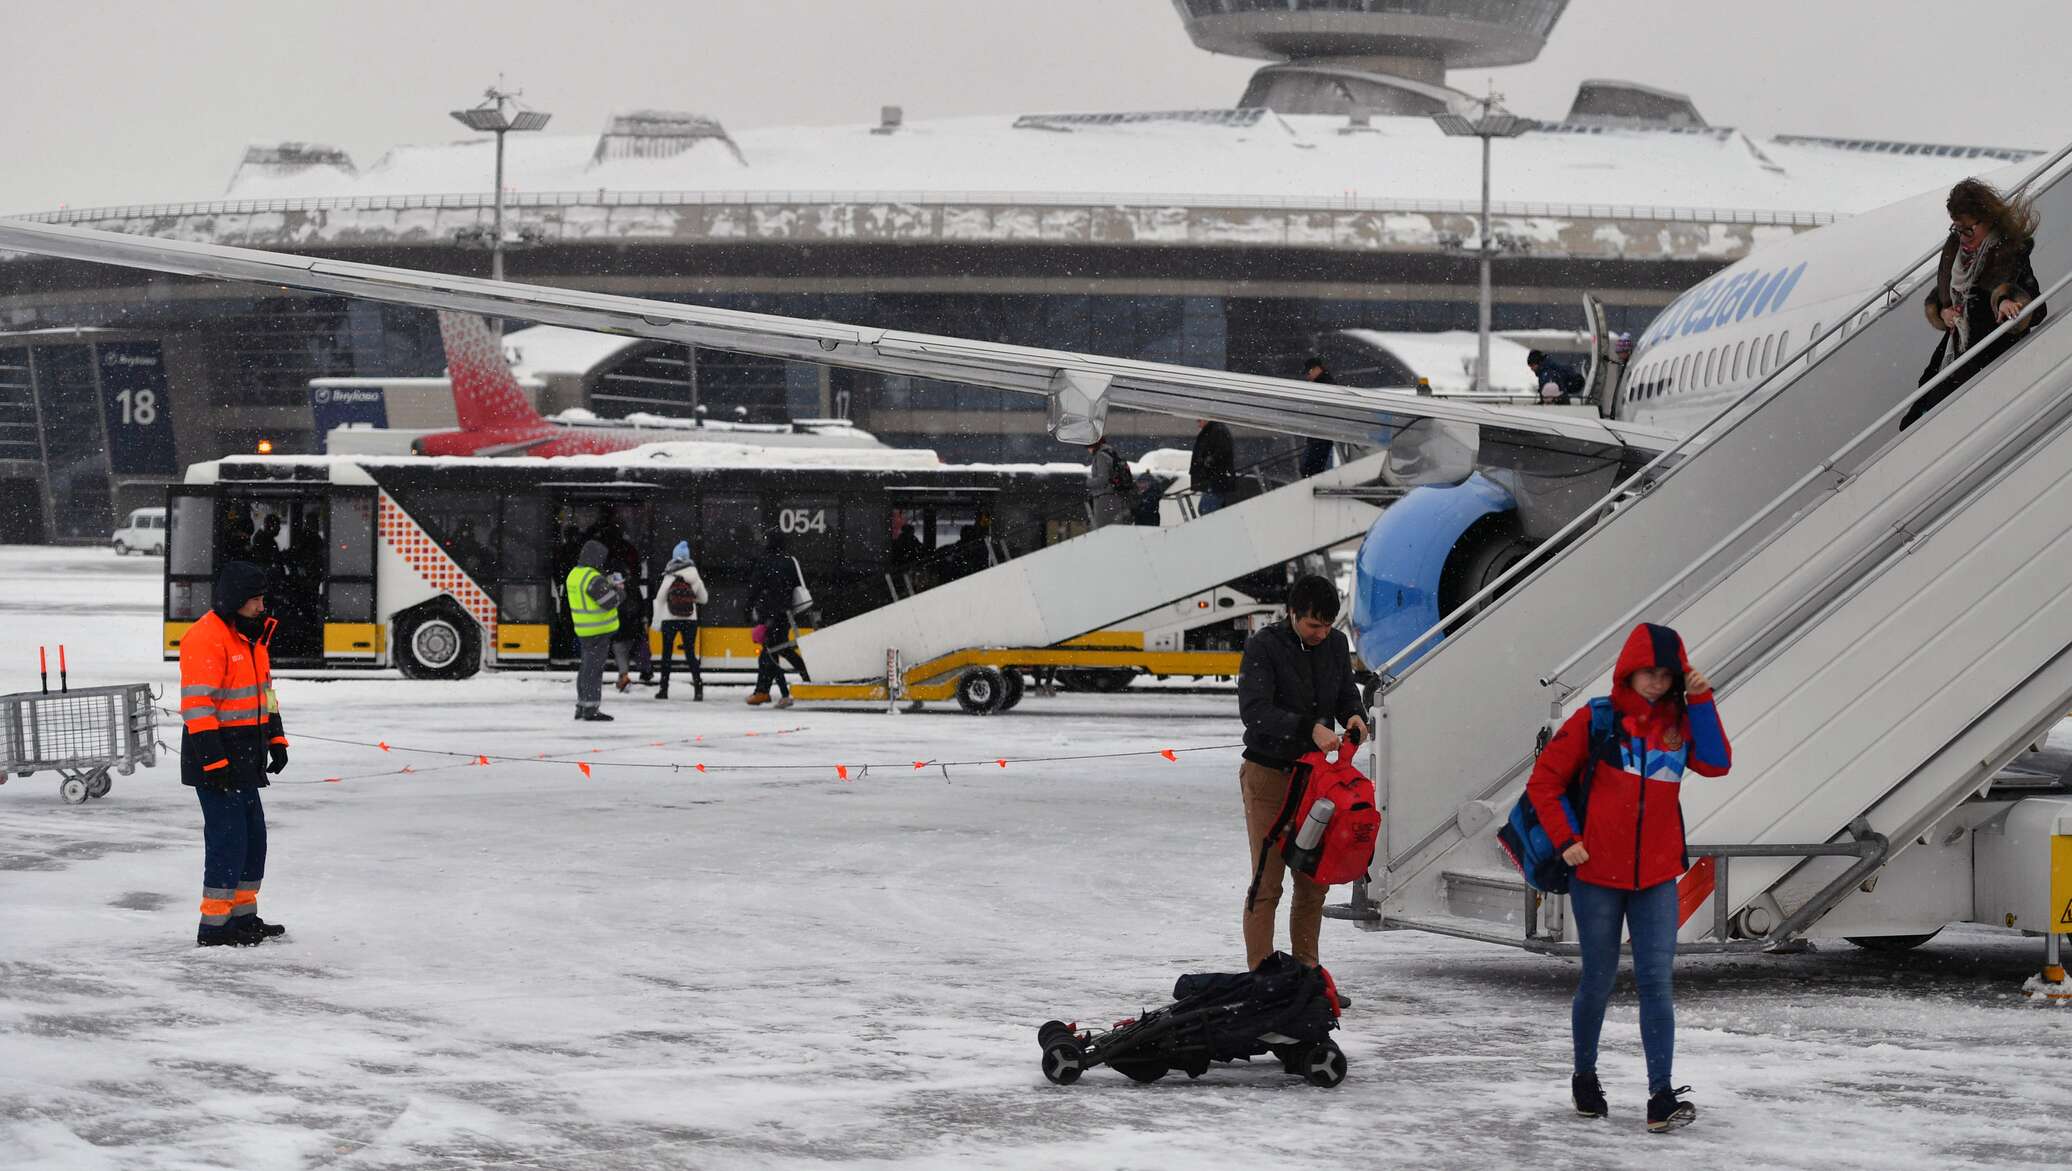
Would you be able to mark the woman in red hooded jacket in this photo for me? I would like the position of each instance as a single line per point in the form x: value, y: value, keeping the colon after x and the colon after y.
x: 1629, y: 852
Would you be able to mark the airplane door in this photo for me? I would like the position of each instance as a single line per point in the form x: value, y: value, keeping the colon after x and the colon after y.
x: 1601, y: 384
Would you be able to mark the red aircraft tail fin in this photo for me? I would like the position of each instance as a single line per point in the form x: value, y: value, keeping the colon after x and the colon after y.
x: 486, y: 396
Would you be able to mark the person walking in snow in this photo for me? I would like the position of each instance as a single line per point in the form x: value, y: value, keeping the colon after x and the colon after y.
x: 231, y: 742
x: 677, y: 598
x: 593, y: 601
x: 1630, y: 850
x: 774, y: 583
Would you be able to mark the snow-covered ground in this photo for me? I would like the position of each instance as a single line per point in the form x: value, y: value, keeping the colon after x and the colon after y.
x: 517, y: 966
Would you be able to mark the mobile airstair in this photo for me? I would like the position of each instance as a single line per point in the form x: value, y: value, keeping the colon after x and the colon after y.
x: 1886, y: 634
x: 1023, y: 611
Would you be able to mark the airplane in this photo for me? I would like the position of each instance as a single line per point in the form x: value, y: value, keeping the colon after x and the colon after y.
x: 1486, y: 483
x: 496, y: 419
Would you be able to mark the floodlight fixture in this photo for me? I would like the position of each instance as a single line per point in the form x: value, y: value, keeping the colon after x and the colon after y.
x: 500, y: 114
x: 1490, y: 123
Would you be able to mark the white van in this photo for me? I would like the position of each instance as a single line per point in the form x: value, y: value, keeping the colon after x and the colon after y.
x: 143, y: 533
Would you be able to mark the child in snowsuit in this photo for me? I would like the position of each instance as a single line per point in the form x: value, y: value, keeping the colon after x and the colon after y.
x: 1629, y: 853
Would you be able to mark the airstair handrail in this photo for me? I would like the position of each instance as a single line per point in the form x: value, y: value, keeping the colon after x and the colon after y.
x: 1775, y: 384
x: 1826, y: 467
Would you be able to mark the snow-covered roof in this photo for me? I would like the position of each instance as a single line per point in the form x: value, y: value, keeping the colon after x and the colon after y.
x: 1293, y: 157
x: 1447, y: 358
x: 544, y: 350
x: 679, y: 453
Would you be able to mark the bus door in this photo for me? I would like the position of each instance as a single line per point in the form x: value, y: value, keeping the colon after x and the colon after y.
x: 190, y: 560
x: 352, y: 627
x: 278, y: 527
x: 619, y: 514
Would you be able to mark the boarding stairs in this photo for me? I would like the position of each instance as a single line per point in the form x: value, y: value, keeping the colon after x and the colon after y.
x: 1770, y: 590
x: 1092, y: 581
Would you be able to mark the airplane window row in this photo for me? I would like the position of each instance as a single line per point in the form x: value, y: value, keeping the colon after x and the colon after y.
x: 1706, y: 369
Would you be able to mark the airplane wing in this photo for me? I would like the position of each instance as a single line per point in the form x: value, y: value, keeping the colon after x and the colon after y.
x: 1079, y: 386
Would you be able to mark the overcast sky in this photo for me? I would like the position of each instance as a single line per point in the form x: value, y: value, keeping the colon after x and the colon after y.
x: 123, y: 102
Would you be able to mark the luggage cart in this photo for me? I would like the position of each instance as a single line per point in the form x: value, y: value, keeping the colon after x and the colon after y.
x: 81, y: 734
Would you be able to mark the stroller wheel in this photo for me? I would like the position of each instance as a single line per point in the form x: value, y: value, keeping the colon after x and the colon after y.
x: 1063, y: 1061
x: 1325, y: 1065
x: 1141, y: 1071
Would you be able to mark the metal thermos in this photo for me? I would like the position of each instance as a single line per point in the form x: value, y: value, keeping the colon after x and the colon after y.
x: 1312, y: 830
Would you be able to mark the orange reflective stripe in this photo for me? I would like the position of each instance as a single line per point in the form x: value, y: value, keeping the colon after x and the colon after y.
x: 215, y: 906
x: 245, y: 896
x: 209, y: 768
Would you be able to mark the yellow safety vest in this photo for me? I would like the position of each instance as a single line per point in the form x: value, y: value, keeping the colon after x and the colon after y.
x: 591, y: 619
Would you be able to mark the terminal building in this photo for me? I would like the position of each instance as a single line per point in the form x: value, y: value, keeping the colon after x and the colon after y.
x: 1323, y: 209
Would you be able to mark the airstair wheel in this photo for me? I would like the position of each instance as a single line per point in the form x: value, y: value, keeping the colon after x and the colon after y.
x: 982, y: 691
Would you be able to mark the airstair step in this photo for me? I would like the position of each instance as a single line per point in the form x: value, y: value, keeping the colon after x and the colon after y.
x: 1458, y: 926
x: 1490, y: 896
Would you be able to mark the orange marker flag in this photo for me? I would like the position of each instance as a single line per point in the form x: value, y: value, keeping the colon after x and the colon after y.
x: 700, y: 768
x: 1002, y: 762
x: 482, y: 760
x: 383, y: 746
x: 1168, y: 754
x: 842, y: 771
x: 920, y: 764
x: 332, y: 780
x: 584, y: 765
x: 406, y: 768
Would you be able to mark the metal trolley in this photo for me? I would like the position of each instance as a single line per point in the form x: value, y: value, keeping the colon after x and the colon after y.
x: 82, y: 734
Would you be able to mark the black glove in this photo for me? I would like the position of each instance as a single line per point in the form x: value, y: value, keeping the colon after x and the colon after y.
x: 276, y: 757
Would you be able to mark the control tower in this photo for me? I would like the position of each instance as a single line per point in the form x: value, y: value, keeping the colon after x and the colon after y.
x: 1381, y: 56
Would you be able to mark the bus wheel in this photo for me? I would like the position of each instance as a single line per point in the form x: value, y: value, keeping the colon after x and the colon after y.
x: 981, y: 690
x: 437, y: 642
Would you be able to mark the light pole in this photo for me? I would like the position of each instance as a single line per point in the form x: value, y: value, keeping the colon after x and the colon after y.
x: 500, y: 114
x: 1491, y: 123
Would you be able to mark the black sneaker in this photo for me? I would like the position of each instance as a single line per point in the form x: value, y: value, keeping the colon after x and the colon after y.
x: 662, y: 692
x: 598, y: 717
x: 1588, y: 1095
x: 224, y: 937
x: 1666, y: 1111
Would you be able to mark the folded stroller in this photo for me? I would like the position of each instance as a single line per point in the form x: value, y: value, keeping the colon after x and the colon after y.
x: 1281, y: 1007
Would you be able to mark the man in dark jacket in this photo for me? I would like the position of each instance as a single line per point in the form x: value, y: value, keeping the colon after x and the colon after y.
x: 1294, y: 685
x: 1316, y: 452
x: 1556, y: 382
x: 231, y: 740
x: 1212, y: 469
x: 771, y: 583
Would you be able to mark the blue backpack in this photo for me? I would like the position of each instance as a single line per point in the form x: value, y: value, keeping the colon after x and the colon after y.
x: 1526, y: 840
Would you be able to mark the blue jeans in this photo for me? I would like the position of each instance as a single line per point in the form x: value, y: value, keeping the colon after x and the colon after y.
x: 1651, y: 917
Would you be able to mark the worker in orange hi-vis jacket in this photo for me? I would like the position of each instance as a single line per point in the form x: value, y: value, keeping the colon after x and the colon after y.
x: 233, y: 740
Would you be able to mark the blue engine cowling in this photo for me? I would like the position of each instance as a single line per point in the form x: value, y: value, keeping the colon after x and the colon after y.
x: 1403, y: 563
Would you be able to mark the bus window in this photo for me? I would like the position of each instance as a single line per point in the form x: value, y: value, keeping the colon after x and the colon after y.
x: 523, y: 588
x: 349, y: 567
x: 733, y: 540
x: 464, y: 524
